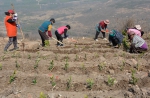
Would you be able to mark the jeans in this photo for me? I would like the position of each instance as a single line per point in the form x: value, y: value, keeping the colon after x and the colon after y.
x: 11, y: 40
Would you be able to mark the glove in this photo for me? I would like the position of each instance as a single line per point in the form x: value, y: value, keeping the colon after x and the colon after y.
x: 18, y: 26
x: 65, y: 36
x: 15, y: 16
x: 49, y: 34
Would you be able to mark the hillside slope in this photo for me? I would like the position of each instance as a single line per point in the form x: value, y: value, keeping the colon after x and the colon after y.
x: 84, y: 69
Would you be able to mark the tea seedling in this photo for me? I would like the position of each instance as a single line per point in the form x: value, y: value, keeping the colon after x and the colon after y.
x: 36, y: 63
x: 101, y: 66
x: 34, y: 81
x: 52, y: 81
x: 51, y: 65
x: 90, y: 83
x: 85, y: 57
x: 69, y: 83
x: 47, y: 43
x: 29, y: 56
x: 82, y: 66
x: 122, y: 66
x: 56, y: 56
x: 3, y: 57
x: 0, y: 66
x: 42, y: 95
x: 110, y: 81
x: 12, y: 77
x: 133, y: 80
x: 85, y: 96
x: 125, y: 43
x: 17, y: 65
x: 76, y: 57
x: 66, y: 65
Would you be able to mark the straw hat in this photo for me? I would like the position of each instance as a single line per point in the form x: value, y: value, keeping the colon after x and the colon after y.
x: 138, y: 27
x: 106, y: 21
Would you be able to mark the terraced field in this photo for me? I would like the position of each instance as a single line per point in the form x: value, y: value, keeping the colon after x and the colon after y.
x: 85, y: 69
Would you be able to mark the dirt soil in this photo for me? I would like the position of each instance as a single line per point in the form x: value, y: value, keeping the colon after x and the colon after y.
x: 85, y: 69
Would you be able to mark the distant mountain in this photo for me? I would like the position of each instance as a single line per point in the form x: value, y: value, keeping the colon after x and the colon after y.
x: 82, y: 15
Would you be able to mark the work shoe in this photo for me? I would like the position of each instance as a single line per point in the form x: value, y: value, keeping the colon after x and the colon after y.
x: 104, y: 38
x: 96, y: 39
x: 14, y: 49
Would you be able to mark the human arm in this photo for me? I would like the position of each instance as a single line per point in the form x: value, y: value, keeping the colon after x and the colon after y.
x: 65, y: 33
x: 49, y: 31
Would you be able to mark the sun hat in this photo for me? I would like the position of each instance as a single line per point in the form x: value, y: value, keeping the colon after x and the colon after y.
x: 138, y: 27
x: 11, y: 11
x: 106, y: 21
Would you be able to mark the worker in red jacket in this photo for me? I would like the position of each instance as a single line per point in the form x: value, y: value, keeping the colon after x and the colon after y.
x: 101, y: 27
x: 11, y: 28
x: 60, y: 31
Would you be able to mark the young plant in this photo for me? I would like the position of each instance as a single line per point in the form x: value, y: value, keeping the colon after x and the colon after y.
x: 85, y: 57
x: 3, y: 57
x: 90, y: 83
x: 12, y: 77
x: 76, y: 57
x: 47, y: 43
x: 0, y: 66
x: 110, y: 81
x: 17, y: 65
x: 125, y: 43
x: 29, y: 56
x: 122, y: 66
x: 42, y: 95
x: 69, y: 83
x: 101, y: 66
x: 56, y: 56
x: 133, y: 79
x: 51, y: 65
x: 52, y: 81
x: 34, y: 81
x: 82, y: 66
x: 85, y: 96
x: 36, y: 63
x: 66, y: 65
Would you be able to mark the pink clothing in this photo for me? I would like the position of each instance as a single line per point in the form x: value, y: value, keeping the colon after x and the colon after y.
x: 60, y: 30
x: 137, y: 32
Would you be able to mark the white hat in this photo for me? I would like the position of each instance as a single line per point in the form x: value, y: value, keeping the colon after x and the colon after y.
x: 106, y: 21
x: 138, y: 27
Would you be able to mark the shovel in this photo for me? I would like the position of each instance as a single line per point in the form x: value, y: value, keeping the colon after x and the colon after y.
x: 22, y: 41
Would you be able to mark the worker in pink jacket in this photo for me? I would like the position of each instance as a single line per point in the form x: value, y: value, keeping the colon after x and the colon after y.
x: 60, y: 31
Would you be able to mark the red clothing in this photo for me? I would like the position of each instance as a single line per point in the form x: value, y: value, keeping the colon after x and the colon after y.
x: 103, y: 25
x: 10, y: 27
x: 60, y: 30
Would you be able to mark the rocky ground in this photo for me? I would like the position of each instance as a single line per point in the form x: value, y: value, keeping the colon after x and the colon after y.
x: 82, y: 69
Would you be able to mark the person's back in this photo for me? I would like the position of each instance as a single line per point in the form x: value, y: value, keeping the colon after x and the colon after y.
x: 44, y: 26
x: 137, y: 32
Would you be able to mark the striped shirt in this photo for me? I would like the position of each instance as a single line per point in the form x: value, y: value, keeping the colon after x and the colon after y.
x: 138, y: 41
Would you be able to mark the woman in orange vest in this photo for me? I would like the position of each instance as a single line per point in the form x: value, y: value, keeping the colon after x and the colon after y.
x: 11, y: 28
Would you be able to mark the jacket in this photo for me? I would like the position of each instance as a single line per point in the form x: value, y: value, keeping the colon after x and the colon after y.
x: 10, y: 27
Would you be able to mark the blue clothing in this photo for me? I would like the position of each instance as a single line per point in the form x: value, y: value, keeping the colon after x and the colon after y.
x: 44, y: 26
x: 115, y: 37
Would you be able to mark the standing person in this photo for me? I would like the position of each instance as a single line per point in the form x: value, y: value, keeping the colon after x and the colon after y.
x: 115, y: 38
x: 101, y: 27
x: 138, y: 44
x: 11, y: 28
x: 46, y: 27
x: 61, y: 30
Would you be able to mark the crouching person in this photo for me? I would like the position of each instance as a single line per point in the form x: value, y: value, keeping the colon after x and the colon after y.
x: 61, y: 30
x: 115, y: 38
x: 138, y: 44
